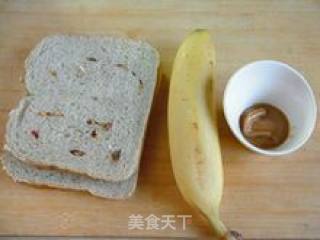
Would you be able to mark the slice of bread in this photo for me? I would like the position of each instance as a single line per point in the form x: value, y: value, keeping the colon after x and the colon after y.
x: 85, y: 64
x: 81, y: 135
x: 22, y: 172
x: 89, y: 105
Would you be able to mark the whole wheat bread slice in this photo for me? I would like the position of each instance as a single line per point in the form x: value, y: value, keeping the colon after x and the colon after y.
x: 22, y: 172
x: 89, y: 105
x: 83, y: 64
x: 80, y: 135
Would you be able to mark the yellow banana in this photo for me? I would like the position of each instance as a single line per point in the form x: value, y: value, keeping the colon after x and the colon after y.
x: 193, y: 133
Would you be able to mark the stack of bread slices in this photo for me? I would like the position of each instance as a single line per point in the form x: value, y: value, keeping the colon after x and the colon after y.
x: 82, y: 124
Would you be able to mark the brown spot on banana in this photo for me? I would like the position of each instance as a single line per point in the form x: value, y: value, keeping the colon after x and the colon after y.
x: 195, y: 125
x: 199, y: 165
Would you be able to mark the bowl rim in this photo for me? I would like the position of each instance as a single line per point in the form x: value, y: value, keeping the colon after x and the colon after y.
x: 241, y: 138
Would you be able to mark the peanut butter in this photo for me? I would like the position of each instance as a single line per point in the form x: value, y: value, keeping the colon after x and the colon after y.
x: 264, y: 125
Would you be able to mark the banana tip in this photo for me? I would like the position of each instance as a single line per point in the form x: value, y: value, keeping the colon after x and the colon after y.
x: 233, y: 235
x: 200, y: 30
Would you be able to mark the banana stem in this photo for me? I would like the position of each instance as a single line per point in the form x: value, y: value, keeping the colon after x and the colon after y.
x: 221, y: 231
x: 218, y: 227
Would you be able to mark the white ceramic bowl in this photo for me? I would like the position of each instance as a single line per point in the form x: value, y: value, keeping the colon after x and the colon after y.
x: 280, y: 85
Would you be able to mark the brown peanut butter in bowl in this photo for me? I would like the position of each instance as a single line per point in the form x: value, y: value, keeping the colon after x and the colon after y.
x: 264, y: 126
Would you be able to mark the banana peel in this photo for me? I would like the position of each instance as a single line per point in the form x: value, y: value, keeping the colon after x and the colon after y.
x: 193, y: 132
